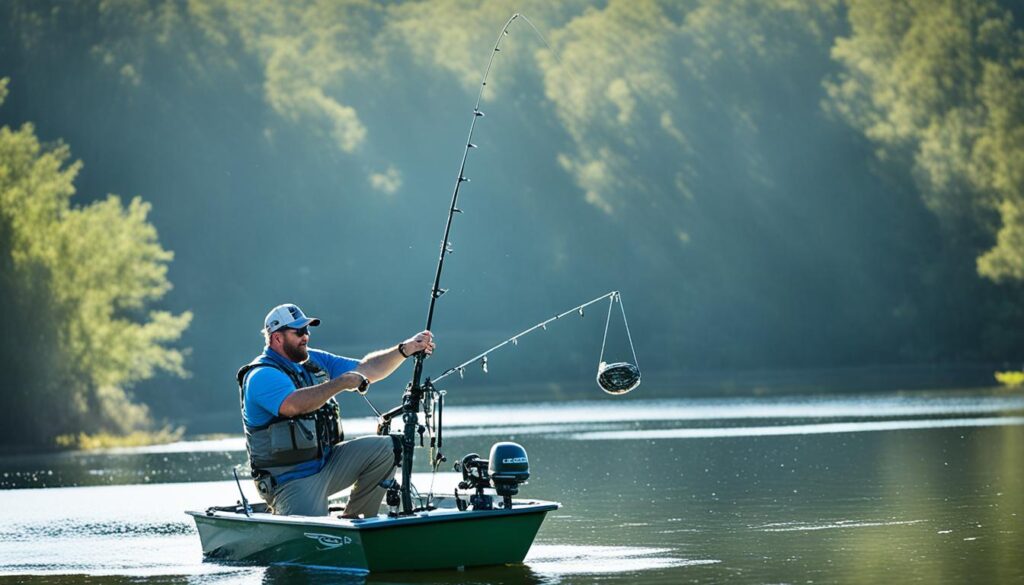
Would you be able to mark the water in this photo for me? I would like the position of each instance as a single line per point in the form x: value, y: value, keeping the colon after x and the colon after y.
x: 812, y: 490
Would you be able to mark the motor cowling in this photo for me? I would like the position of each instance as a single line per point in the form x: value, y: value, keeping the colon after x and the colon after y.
x: 505, y: 470
x: 509, y: 467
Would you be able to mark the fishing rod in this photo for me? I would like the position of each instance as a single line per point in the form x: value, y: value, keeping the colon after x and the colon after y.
x: 415, y: 390
x: 615, y: 378
x: 244, y: 502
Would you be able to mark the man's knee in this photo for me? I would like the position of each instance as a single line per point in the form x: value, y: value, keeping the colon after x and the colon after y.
x: 388, y: 449
x: 375, y: 450
x: 382, y: 451
x: 299, y: 504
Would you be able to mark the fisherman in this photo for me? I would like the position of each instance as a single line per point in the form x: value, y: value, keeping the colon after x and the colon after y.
x: 293, y: 424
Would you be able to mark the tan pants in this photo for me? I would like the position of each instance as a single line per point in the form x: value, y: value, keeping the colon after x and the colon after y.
x: 365, y: 462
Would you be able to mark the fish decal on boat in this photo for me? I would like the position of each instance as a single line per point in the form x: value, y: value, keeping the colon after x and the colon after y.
x: 328, y: 541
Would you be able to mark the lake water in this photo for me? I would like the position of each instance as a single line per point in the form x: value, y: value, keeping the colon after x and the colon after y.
x: 865, y: 489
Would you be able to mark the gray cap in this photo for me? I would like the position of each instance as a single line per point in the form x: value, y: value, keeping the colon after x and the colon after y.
x: 287, y: 315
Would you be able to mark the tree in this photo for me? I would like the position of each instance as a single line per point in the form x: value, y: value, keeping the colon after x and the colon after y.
x: 938, y: 84
x: 76, y: 281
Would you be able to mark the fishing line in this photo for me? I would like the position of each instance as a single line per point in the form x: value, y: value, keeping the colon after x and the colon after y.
x: 446, y: 247
x: 372, y: 407
x: 544, y: 40
x: 619, y: 377
x: 607, y: 321
x: 435, y: 462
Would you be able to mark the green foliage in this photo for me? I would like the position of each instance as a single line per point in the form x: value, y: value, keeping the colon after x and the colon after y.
x: 1010, y: 379
x: 940, y: 84
x: 103, y: 440
x: 935, y: 85
x: 309, y: 51
x: 631, y: 76
x: 677, y: 146
x: 79, y: 279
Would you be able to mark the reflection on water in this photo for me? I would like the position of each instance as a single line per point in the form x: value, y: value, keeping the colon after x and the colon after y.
x: 812, y: 429
x: 545, y: 564
x: 653, y: 492
x: 628, y: 419
x: 596, y: 560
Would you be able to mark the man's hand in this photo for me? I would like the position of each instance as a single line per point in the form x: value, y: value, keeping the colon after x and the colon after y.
x: 372, y: 368
x: 361, y: 380
x: 422, y: 341
x: 380, y: 364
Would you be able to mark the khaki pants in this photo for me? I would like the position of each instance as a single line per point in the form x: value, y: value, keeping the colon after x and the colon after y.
x: 365, y: 462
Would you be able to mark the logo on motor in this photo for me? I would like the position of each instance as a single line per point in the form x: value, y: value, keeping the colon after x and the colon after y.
x: 515, y: 460
x: 329, y: 541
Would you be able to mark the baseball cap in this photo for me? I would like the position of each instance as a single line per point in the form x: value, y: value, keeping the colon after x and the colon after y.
x: 287, y: 315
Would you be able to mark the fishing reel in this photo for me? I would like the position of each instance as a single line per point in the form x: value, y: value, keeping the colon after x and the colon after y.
x: 504, y: 471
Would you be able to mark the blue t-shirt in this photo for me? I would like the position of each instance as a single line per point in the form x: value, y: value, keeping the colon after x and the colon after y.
x: 267, y: 387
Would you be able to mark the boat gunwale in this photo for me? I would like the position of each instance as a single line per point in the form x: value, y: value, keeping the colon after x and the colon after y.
x: 381, y: 521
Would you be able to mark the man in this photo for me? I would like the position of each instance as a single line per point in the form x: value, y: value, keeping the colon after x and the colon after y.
x: 293, y: 425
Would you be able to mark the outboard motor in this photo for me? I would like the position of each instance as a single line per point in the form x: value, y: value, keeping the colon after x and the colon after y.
x: 507, y: 468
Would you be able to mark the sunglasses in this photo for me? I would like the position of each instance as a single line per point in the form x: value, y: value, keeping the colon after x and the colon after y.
x: 299, y: 332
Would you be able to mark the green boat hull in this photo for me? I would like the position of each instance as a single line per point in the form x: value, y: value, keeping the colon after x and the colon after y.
x: 438, y: 539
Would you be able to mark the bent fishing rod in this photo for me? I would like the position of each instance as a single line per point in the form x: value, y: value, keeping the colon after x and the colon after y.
x: 617, y: 378
x: 415, y: 390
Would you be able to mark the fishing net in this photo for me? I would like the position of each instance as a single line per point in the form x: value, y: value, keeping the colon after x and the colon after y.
x: 618, y: 378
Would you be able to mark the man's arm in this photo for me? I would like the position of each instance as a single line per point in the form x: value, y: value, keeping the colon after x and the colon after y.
x: 380, y: 364
x: 309, y: 399
x: 375, y: 366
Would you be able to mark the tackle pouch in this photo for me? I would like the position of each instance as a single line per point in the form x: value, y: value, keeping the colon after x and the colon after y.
x: 293, y: 441
x: 330, y: 421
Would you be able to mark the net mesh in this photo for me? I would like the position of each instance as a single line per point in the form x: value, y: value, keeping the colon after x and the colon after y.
x: 618, y: 378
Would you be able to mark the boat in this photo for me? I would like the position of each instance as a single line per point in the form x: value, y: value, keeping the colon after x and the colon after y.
x: 442, y: 538
x: 482, y: 526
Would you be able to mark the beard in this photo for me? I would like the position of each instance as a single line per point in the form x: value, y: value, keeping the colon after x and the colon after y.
x: 296, y: 352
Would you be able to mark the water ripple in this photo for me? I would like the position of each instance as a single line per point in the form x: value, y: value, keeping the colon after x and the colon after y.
x: 31, y: 532
x: 592, y: 560
x: 838, y: 524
